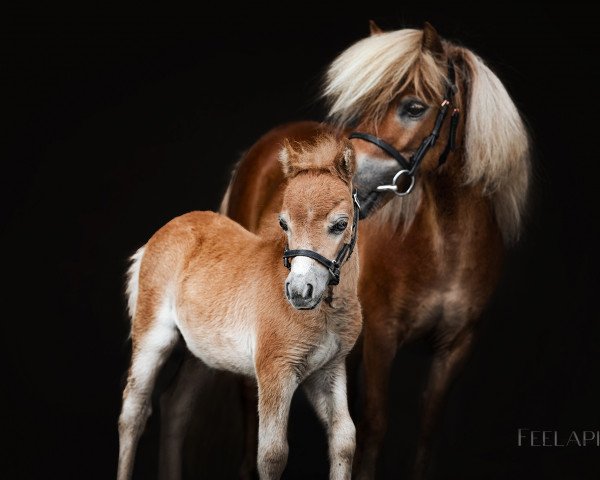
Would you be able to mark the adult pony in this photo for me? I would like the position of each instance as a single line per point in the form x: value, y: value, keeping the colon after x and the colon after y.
x: 443, y: 178
x: 224, y: 290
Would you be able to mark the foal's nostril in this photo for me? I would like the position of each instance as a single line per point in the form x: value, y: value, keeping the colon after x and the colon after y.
x: 287, y: 290
x: 308, y: 290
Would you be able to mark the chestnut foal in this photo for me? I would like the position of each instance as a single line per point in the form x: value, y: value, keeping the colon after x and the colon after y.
x: 237, y: 308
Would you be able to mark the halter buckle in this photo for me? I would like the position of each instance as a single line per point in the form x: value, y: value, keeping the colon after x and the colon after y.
x: 334, y: 272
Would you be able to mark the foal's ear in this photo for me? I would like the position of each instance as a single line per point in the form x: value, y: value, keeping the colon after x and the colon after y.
x: 431, y: 41
x: 285, y: 158
x: 345, y: 163
x: 374, y: 28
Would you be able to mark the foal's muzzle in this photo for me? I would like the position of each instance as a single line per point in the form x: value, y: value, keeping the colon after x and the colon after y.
x: 305, y: 285
x: 301, y: 295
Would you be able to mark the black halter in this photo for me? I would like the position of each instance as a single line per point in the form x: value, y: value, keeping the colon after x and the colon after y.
x: 332, y: 265
x: 409, y: 167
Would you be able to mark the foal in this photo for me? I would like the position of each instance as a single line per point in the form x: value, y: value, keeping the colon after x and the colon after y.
x: 237, y: 308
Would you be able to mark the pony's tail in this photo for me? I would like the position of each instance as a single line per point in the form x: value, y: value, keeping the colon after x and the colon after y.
x: 497, y: 146
x: 224, y: 207
x: 133, y: 281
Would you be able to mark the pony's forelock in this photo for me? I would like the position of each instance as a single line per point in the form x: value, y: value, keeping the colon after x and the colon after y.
x: 368, y: 76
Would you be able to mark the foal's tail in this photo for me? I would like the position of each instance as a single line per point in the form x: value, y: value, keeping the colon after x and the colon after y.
x: 133, y: 283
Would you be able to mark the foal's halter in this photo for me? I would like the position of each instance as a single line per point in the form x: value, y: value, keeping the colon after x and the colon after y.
x: 332, y: 265
x: 408, y: 167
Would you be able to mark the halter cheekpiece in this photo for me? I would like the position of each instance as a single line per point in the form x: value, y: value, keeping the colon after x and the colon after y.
x: 343, y: 255
x: 408, y: 167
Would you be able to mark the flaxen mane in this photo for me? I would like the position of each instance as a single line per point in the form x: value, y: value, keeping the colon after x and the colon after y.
x: 366, y: 78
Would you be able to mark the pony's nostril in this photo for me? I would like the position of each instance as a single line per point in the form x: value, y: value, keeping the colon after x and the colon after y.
x: 287, y: 290
x: 308, y: 290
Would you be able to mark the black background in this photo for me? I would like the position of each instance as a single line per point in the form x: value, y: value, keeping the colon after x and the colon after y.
x: 115, y: 123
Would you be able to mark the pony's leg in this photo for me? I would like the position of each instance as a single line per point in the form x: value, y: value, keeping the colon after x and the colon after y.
x: 275, y: 393
x: 380, y: 343
x: 326, y: 391
x: 353, y: 362
x: 249, y: 400
x: 176, y: 407
x: 448, y: 358
x: 149, y: 354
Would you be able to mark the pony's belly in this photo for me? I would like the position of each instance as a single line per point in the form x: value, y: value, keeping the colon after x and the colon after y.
x: 447, y: 308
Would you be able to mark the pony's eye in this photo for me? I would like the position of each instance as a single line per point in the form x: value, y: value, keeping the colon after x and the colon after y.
x: 414, y: 109
x: 338, y: 227
x: 283, y: 225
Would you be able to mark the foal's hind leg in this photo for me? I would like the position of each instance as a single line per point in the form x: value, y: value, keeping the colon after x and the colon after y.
x: 448, y: 358
x: 326, y: 390
x: 150, y: 350
x: 176, y: 407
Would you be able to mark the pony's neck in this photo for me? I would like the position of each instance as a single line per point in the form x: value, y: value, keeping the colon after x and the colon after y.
x: 445, y: 188
x: 440, y: 200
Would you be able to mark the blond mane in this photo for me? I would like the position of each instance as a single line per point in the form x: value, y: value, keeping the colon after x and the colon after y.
x: 367, y: 77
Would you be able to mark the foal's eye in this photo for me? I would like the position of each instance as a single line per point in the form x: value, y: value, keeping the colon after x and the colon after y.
x: 414, y: 109
x: 338, y: 227
x: 283, y: 225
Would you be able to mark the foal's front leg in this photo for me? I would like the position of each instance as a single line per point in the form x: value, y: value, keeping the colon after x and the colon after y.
x: 326, y: 390
x: 275, y: 391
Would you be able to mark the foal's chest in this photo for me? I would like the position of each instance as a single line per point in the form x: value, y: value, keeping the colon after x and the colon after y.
x: 319, y: 354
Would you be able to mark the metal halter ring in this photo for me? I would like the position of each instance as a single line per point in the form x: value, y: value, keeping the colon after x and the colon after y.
x: 394, y: 186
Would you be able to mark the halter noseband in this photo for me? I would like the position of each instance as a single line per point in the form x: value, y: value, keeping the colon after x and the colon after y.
x: 332, y: 265
x: 408, y: 167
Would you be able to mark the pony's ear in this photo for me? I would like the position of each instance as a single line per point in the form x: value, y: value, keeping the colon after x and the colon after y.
x: 286, y: 155
x: 345, y: 163
x: 374, y: 28
x: 431, y: 41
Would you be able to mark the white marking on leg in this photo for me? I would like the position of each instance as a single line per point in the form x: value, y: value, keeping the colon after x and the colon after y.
x: 151, y: 352
x: 326, y: 390
x: 272, y: 427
